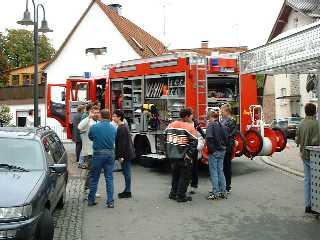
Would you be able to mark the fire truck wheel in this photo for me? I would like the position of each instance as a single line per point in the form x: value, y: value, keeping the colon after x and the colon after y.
x: 254, y: 143
x: 240, y: 145
x: 281, y: 139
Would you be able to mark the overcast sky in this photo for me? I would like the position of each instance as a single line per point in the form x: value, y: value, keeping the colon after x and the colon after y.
x: 178, y: 23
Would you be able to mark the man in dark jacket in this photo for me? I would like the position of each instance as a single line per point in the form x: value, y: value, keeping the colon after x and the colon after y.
x: 76, y: 138
x: 216, y: 137
x: 124, y: 151
x: 231, y: 128
x: 181, y: 145
x: 308, y: 135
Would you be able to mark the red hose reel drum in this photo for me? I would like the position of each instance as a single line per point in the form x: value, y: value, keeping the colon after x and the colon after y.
x: 269, y: 133
x: 254, y: 143
x: 240, y: 145
x: 281, y: 139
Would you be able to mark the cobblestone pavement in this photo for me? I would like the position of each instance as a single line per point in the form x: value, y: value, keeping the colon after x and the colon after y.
x: 68, y: 221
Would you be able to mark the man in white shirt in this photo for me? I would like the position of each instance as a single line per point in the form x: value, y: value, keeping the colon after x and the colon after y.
x: 30, y: 119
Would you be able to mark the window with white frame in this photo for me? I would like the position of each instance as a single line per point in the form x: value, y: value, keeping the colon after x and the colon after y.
x: 283, y: 93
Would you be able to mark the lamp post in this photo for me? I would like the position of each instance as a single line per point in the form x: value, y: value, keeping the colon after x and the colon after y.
x: 44, y: 29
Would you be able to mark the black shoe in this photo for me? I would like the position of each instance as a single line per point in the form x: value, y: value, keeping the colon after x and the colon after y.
x: 110, y: 205
x: 184, y: 199
x: 223, y: 195
x: 172, y: 196
x: 92, y: 204
x: 309, y: 210
x: 125, y: 195
x: 213, y: 196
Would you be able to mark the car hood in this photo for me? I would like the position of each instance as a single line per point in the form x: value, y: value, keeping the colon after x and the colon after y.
x: 15, y: 187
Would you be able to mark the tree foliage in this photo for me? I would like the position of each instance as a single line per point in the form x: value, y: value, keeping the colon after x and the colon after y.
x: 4, y: 67
x: 260, y: 80
x: 18, y: 47
x: 5, y: 115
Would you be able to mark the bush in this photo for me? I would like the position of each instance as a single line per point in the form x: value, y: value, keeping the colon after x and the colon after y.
x: 5, y: 115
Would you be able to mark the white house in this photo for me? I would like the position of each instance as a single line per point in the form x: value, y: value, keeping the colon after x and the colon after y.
x: 101, y: 36
x: 285, y: 94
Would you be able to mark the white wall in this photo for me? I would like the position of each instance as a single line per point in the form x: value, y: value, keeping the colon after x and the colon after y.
x: 95, y: 30
x: 284, y: 107
x: 27, y: 107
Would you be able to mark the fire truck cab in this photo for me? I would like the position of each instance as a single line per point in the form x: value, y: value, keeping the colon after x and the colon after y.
x: 152, y: 91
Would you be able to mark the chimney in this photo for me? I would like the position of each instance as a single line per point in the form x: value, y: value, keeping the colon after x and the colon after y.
x: 116, y: 7
x: 204, y: 44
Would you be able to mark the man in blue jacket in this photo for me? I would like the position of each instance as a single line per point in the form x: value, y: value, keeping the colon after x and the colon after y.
x: 103, y: 136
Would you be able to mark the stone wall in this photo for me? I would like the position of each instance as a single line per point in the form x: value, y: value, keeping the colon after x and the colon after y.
x: 269, y: 108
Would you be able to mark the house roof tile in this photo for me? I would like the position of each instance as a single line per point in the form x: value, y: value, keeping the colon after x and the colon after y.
x: 142, y: 42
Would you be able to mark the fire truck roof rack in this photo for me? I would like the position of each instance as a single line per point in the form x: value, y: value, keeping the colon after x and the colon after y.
x: 165, y: 57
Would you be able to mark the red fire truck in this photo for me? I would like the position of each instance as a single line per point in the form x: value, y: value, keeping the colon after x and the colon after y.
x: 152, y: 91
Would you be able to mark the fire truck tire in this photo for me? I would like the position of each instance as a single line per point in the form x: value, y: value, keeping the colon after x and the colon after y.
x: 254, y: 143
x: 240, y: 145
x: 281, y: 139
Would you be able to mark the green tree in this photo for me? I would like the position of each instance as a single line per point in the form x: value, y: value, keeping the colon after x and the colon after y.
x: 5, y: 115
x: 17, y: 45
x: 4, y: 67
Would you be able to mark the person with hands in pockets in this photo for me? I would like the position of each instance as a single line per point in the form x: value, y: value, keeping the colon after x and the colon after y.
x: 124, y: 151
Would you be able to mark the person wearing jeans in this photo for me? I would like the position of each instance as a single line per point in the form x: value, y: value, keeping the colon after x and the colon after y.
x: 102, y: 159
x: 307, y: 185
x: 124, y: 151
x: 103, y: 136
x: 231, y: 127
x: 216, y: 142
x: 308, y: 135
x: 217, y: 178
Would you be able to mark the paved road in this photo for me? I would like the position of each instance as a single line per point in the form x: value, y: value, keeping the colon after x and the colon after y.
x: 289, y: 157
x: 265, y: 204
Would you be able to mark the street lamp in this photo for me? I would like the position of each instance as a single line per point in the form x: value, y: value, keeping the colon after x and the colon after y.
x: 27, y: 21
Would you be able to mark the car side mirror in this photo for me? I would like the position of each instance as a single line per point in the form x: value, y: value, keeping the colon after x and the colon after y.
x: 58, y: 168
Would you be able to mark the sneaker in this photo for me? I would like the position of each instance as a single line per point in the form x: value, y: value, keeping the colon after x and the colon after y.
x: 110, y: 205
x: 92, y: 204
x: 124, y: 195
x: 172, y: 196
x: 193, y: 190
x: 81, y: 166
x: 213, y: 196
x: 223, y: 195
x: 184, y: 199
x: 309, y: 210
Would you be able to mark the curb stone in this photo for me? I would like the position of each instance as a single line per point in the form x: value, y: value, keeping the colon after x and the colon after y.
x: 267, y: 160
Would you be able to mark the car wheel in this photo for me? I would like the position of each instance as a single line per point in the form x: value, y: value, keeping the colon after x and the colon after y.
x: 62, y: 200
x: 46, y: 226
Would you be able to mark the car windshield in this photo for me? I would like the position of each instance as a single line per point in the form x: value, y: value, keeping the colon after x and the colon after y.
x: 21, y: 153
x: 295, y: 120
x: 282, y: 123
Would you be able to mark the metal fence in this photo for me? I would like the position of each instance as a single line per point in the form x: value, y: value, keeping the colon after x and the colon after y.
x: 60, y: 131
